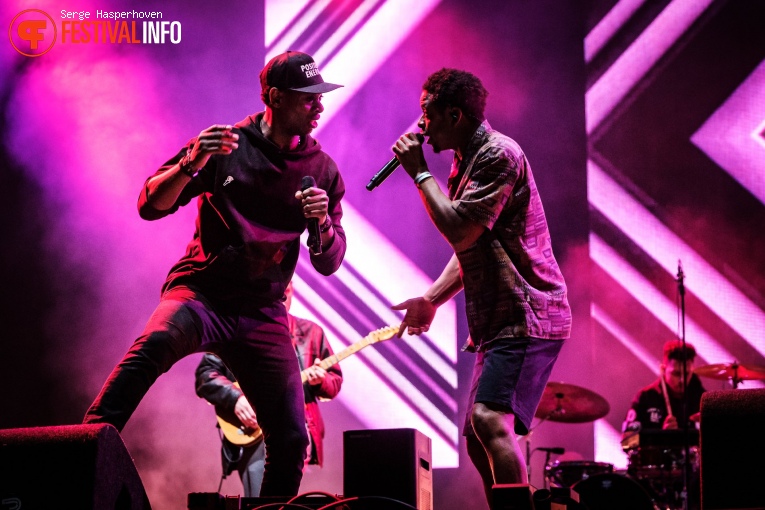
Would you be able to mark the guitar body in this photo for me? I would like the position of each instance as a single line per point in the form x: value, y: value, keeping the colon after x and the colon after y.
x: 234, y: 430
x: 240, y: 435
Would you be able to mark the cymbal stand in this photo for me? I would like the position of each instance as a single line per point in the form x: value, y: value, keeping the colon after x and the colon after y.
x: 529, y: 451
x: 735, y: 380
x: 686, y: 435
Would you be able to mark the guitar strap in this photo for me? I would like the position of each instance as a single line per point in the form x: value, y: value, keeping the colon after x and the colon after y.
x: 230, y: 455
x: 299, y: 357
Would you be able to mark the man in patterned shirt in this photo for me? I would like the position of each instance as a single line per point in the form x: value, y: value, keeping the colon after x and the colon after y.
x: 515, y: 296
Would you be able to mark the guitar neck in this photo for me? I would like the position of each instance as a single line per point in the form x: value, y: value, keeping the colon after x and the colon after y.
x: 353, y: 348
x: 340, y: 356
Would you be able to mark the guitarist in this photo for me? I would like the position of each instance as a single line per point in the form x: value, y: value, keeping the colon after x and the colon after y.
x: 215, y: 383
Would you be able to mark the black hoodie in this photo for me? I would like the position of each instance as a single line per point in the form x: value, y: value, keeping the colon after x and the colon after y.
x: 247, y: 238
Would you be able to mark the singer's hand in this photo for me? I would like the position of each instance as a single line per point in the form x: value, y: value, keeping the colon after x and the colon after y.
x: 408, y: 150
x: 419, y: 315
x: 315, y: 203
x: 217, y: 139
x: 165, y: 188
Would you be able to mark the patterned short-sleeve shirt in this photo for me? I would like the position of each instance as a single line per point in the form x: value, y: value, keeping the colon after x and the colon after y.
x: 513, y: 285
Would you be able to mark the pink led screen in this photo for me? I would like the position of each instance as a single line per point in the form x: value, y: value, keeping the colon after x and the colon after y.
x: 643, y: 122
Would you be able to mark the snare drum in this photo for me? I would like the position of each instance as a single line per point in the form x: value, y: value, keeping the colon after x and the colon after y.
x: 567, y: 473
x: 611, y: 491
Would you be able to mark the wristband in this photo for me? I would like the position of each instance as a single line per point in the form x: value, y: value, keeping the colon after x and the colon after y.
x: 324, y: 227
x: 422, y: 177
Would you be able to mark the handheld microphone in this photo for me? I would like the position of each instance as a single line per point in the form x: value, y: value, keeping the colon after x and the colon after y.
x: 314, y: 234
x: 554, y: 450
x: 388, y: 169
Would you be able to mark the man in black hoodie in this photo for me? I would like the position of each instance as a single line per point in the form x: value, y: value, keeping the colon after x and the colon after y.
x: 225, y: 295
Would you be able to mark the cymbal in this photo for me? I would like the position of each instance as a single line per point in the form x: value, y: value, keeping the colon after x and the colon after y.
x: 571, y: 404
x: 734, y: 371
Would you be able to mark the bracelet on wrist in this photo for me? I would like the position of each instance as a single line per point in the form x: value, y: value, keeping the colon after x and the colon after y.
x: 422, y: 176
x: 185, y: 166
x: 324, y: 227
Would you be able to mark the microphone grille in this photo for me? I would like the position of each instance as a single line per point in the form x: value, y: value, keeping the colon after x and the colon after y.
x: 307, y: 182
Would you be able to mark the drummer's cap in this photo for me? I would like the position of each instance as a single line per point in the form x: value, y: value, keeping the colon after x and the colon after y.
x: 673, y: 349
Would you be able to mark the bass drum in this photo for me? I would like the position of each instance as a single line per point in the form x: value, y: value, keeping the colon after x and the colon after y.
x: 611, y: 491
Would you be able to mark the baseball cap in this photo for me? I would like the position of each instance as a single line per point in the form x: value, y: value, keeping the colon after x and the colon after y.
x: 294, y: 70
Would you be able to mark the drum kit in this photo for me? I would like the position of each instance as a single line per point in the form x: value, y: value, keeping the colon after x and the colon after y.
x: 654, y: 478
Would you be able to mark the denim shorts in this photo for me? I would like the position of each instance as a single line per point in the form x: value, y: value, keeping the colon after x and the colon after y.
x: 512, y: 373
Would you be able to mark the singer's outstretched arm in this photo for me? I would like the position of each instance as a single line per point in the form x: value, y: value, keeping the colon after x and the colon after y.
x: 420, y: 311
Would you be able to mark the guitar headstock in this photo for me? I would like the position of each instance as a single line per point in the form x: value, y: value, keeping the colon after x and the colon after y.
x: 381, y: 334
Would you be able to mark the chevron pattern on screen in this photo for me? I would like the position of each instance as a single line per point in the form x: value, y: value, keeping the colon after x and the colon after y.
x: 675, y: 108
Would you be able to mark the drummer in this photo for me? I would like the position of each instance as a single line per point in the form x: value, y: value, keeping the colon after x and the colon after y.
x: 660, y: 404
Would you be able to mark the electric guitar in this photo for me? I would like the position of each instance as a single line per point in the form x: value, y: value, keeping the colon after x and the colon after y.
x: 240, y: 435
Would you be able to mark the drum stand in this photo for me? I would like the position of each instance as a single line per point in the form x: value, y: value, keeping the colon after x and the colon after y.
x: 548, y: 451
x: 547, y: 465
x: 528, y: 455
x: 529, y: 451
x: 547, y: 468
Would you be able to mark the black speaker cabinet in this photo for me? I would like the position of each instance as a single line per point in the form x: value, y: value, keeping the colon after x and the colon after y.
x: 73, y: 466
x: 512, y: 496
x: 388, y: 463
x: 732, y: 449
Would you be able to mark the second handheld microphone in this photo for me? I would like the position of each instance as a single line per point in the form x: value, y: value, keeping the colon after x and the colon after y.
x: 314, y: 233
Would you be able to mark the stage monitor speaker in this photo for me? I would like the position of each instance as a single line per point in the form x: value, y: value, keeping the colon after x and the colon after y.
x: 216, y: 501
x: 388, y: 463
x: 732, y: 444
x: 512, y: 496
x: 72, y: 466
